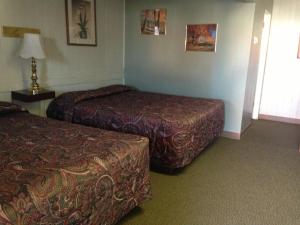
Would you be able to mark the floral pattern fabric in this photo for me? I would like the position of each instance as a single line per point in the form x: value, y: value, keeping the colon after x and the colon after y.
x: 58, y: 173
x: 62, y: 107
x: 178, y: 127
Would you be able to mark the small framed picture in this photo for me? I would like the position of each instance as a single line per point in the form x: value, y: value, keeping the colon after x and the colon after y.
x: 153, y: 21
x: 299, y: 49
x: 201, y: 37
x: 81, y: 22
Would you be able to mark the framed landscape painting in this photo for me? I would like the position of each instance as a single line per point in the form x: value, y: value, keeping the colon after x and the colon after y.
x: 299, y: 49
x: 201, y: 37
x: 81, y: 22
x: 153, y: 21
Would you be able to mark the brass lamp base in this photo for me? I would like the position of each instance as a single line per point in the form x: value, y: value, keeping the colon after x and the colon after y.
x: 34, y: 85
x: 35, y: 91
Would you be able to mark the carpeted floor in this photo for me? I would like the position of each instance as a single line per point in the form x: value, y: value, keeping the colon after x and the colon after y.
x: 255, y: 181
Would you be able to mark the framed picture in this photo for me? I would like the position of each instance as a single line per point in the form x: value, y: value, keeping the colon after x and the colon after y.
x: 81, y: 22
x: 201, y: 37
x: 153, y: 21
x: 299, y: 49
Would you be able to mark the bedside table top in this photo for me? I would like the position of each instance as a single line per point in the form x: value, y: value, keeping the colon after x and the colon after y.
x: 27, y: 96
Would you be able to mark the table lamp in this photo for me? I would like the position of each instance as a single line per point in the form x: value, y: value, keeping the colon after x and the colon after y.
x: 31, y: 48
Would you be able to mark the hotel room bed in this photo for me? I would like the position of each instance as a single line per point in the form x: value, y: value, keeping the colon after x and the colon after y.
x: 178, y: 127
x: 58, y: 173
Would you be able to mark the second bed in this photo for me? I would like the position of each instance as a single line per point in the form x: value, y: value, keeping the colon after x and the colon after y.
x: 178, y: 127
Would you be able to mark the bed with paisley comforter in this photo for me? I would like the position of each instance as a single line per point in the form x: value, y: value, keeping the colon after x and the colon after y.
x: 58, y: 173
x: 178, y: 127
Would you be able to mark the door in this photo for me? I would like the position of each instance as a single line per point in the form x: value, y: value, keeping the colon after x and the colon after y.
x: 280, y: 98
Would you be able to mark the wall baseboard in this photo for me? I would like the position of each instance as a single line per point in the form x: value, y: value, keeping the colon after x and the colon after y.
x: 231, y: 135
x: 279, y: 119
x: 246, y: 127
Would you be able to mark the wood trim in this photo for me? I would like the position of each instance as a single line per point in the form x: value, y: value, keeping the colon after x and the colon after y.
x: 231, y: 135
x: 279, y: 119
x: 18, y: 32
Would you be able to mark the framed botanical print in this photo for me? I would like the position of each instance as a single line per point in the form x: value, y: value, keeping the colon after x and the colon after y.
x: 81, y: 22
x: 153, y: 21
x: 201, y: 37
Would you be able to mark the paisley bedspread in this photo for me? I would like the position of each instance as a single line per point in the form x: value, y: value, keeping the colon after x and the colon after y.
x: 58, y: 173
x: 178, y: 127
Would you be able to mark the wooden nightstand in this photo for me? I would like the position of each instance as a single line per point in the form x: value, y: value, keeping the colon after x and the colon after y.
x: 37, y: 103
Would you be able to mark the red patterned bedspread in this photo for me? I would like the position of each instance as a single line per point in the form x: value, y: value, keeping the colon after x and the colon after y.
x: 57, y: 173
x: 179, y: 128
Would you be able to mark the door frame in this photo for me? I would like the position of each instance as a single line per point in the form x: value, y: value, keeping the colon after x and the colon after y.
x: 262, y: 63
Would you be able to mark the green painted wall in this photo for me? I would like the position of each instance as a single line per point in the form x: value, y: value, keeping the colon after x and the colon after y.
x: 160, y: 64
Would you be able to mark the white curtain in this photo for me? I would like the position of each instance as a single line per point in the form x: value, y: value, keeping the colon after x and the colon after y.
x: 281, y: 90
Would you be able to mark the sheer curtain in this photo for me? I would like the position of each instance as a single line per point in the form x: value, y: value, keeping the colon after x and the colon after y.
x: 281, y: 90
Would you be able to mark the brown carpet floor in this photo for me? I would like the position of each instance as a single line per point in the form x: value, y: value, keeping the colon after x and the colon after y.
x: 255, y: 181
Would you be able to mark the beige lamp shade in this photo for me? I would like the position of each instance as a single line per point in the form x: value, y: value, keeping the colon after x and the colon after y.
x: 31, y: 47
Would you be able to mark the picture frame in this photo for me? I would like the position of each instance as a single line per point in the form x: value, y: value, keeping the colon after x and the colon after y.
x: 298, y: 56
x: 81, y: 22
x: 153, y: 21
x: 201, y: 37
